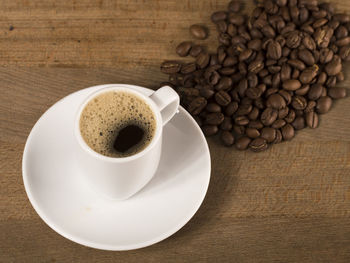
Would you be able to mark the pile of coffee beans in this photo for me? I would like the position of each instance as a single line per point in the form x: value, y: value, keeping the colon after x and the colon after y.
x: 273, y: 73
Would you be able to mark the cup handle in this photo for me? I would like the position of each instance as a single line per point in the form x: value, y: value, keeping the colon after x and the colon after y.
x: 167, y: 101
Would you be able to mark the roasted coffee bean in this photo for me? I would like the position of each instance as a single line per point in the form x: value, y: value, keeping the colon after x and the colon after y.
x: 255, y: 44
x: 290, y: 117
x: 296, y: 63
x: 322, y: 78
x: 224, y: 39
x: 323, y: 36
x: 334, y: 67
x: 278, y: 138
x: 306, y: 56
x: 309, y: 42
x: 242, y: 143
x: 198, y: 31
x: 244, y: 109
x: 342, y: 18
x: 227, y: 138
x: 340, y: 77
x: 206, y: 93
x: 222, y: 98
x: 252, y: 133
x: 238, y: 129
x: 227, y: 71
x: 241, y: 120
x: 256, y: 66
x: 258, y: 145
x: 225, y: 83
x: 296, y: 73
x: 203, y: 60
x: 252, y: 80
x: 210, y: 130
x: 315, y: 91
x: 254, y: 114
x: 222, y: 26
x: 286, y: 95
x: 226, y: 125
x: 282, y: 113
x: 231, y: 108
x: 286, y: 72
x: 337, y: 93
x: 188, y: 68
x: 274, y: 50
x: 230, y: 61
x: 343, y: 42
x: 291, y: 84
x: 344, y: 53
x: 256, y: 124
x: 195, y: 50
x: 213, y: 107
x: 326, y: 55
x: 245, y: 54
x: 307, y: 76
x: 170, y: 67
x: 287, y: 132
x: 310, y: 106
x: 269, y: 116
x: 253, y: 93
x: 293, y: 39
x: 278, y: 124
x: 299, y: 102
x: 299, y: 123
x: 215, y: 118
x: 184, y: 48
x: 234, y: 6
x: 276, y: 101
x: 197, y: 105
x: 303, y: 90
x: 324, y: 104
x: 311, y: 119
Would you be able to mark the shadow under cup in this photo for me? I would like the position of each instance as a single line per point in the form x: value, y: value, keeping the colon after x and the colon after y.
x: 120, y: 177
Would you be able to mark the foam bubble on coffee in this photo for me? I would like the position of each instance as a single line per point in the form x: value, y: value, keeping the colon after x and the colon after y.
x: 110, y: 112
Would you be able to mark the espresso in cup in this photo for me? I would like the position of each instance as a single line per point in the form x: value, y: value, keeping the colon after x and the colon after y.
x: 117, y: 124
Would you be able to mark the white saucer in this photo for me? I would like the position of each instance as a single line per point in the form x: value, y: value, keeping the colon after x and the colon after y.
x: 61, y: 197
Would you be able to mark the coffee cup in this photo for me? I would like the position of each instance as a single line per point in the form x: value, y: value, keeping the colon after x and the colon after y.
x: 114, y: 170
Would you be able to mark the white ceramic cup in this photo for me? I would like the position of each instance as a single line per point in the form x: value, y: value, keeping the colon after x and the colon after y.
x: 120, y: 178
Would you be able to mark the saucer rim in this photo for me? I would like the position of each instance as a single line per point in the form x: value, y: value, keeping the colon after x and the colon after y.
x: 97, y: 245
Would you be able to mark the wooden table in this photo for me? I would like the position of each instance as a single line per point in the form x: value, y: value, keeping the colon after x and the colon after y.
x: 289, y: 204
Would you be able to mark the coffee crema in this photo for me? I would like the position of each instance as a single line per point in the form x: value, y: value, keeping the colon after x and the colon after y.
x: 117, y: 124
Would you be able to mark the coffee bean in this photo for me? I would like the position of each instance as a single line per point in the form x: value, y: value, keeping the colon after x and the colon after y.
x: 253, y: 93
x: 269, y: 134
x: 278, y: 124
x: 299, y: 123
x: 274, y: 50
x: 184, y: 48
x: 282, y: 113
x: 342, y: 18
x: 276, y: 101
x: 310, y: 106
x: 222, y: 98
x: 241, y: 120
x: 334, y: 67
x: 225, y: 83
x: 210, y: 130
x: 303, y: 90
x: 170, y: 67
x: 213, y: 107
x: 231, y: 108
x: 315, y: 91
x: 188, y: 68
x: 309, y: 42
x: 290, y: 117
x: 299, y: 102
x: 291, y: 84
x: 286, y: 95
x: 293, y: 39
x: 306, y: 56
x: 206, y: 93
x: 255, y: 44
x: 234, y: 6
x: 296, y: 63
x: 287, y: 132
x: 256, y: 66
x: 227, y: 71
x: 245, y: 54
x: 197, y: 105
x: 344, y: 53
x: 203, y: 60
x: 324, y: 104
x: 286, y: 72
x: 311, y: 119
x: 196, y: 50
x: 258, y: 145
x: 217, y: 16
x: 337, y: 93
x: 227, y: 138
x: 238, y: 129
x: 198, y: 31
x: 254, y: 114
x: 278, y: 138
x: 259, y: 103
x: 256, y: 124
x: 343, y: 42
x: 326, y: 55
x: 244, y: 109
x: 236, y: 19
x: 242, y: 143
x: 215, y: 118
x: 268, y: 116
x: 226, y: 125
x: 252, y: 133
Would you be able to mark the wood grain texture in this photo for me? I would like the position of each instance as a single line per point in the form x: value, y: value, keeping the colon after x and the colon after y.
x: 289, y: 204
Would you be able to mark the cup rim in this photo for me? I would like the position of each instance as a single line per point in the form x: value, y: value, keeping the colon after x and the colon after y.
x: 102, y: 157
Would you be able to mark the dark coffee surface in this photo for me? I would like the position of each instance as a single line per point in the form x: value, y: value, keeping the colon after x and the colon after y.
x: 117, y: 124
